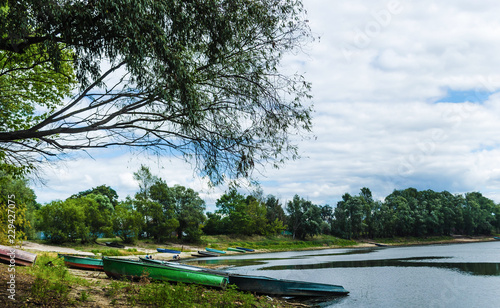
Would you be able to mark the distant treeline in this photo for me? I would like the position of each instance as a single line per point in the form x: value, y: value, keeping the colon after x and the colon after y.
x: 411, y: 212
x: 162, y: 213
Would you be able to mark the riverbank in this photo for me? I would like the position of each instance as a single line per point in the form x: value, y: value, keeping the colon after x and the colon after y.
x: 49, y: 283
x: 259, y: 243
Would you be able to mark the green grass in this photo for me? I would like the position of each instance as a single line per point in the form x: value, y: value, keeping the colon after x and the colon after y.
x: 182, y: 295
x: 53, y: 281
x: 113, y: 252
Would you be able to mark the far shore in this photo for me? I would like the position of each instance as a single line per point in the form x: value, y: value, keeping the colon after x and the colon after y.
x: 188, y: 250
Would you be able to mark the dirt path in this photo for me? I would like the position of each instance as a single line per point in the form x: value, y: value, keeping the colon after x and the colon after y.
x: 48, y: 248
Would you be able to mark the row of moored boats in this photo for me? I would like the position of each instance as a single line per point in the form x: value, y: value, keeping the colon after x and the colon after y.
x: 178, y: 272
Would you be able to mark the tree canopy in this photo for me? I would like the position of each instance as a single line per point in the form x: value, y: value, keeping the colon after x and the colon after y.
x: 196, y: 79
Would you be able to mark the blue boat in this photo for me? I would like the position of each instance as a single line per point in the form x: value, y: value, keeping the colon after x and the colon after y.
x: 214, y: 250
x: 165, y: 250
x: 246, y: 249
x: 497, y: 238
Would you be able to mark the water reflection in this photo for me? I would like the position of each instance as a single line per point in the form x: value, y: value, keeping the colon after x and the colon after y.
x: 481, y: 269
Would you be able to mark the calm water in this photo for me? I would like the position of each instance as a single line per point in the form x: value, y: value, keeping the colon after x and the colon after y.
x: 458, y: 275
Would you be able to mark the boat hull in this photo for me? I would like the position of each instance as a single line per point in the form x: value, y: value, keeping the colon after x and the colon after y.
x: 214, y: 250
x: 246, y: 249
x: 118, y: 268
x: 208, y: 253
x: 83, y: 263
x: 236, y: 250
x: 15, y: 256
x: 164, y: 250
x: 281, y: 287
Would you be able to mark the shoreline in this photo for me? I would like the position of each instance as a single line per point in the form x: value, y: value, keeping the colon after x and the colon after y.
x: 363, y: 243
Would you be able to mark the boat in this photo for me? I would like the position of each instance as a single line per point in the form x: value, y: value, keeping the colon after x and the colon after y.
x: 214, y: 250
x: 262, y: 284
x: 381, y: 245
x: 246, y: 249
x: 16, y: 257
x: 114, y: 244
x: 282, y: 287
x: 197, y: 255
x: 208, y: 253
x: 83, y: 262
x: 167, y: 250
x: 497, y: 238
x: 119, y: 268
x: 236, y: 249
x: 182, y: 266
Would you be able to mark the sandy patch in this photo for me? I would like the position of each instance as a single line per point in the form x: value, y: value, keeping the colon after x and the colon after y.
x: 49, y: 248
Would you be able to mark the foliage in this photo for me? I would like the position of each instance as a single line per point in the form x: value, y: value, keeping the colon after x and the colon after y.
x: 240, y: 215
x: 196, y: 79
x: 166, y: 210
x: 127, y: 223
x: 103, y: 190
x: 30, y: 90
x: 304, y: 217
x: 62, y: 221
x: 85, y: 218
x: 415, y: 213
x: 15, y: 199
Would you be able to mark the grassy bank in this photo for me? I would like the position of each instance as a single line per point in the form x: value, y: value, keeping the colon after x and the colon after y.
x: 50, y: 284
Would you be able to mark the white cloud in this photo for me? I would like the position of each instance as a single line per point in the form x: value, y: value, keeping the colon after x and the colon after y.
x: 376, y: 72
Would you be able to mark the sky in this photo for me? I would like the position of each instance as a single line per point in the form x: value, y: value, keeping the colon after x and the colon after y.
x: 405, y: 93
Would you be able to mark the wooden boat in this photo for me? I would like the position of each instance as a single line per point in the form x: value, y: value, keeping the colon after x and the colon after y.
x: 16, y: 257
x: 236, y: 249
x: 83, y: 262
x: 114, y: 244
x: 282, y: 287
x: 165, y: 250
x: 118, y: 268
x: 214, y: 250
x: 246, y: 249
x: 208, y: 253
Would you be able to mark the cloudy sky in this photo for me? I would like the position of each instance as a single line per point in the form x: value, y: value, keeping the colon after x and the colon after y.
x: 405, y: 95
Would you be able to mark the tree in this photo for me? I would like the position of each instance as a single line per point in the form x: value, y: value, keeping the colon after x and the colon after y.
x: 103, y: 190
x: 304, y: 217
x: 62, y: 221
x: 127, y: 222
x: 232, y: 209
x: 197, y: 79
x: 16, y: 201
x: 189, y: 209
x: 274, y: 209
x: 30, y: 89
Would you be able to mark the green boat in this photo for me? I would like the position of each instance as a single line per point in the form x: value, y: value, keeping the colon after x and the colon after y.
x: 83, y: 262
x: 118, y: 268
x: 235, y: 249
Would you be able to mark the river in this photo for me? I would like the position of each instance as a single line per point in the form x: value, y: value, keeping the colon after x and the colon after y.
x: 454, y: 275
